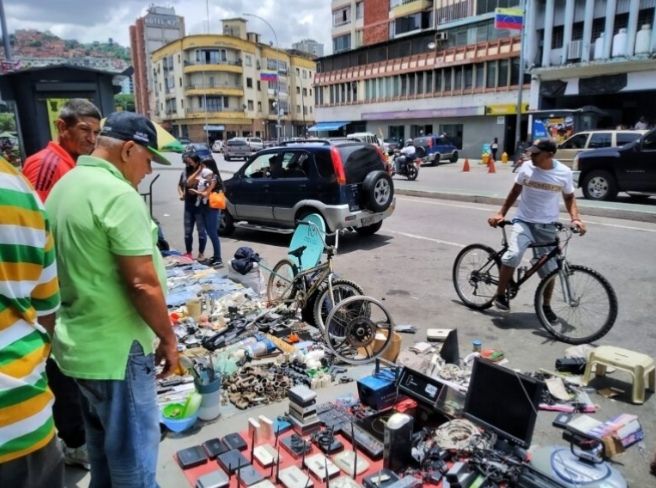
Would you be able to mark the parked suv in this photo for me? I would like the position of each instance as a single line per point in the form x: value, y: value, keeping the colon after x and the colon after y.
x: 255, y: 143
x: 436, y: 149
x: 201, y: 149
x: 601, y: 173
x: 594, y: 139
x: 236, y: 148
x: 345, y: 182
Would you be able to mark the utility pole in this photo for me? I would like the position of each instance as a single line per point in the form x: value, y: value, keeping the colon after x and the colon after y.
x: 5, y: 34
x: 518, y: 117
x: 277, y: 47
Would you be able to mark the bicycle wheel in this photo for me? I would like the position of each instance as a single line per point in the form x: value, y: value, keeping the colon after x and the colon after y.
x: 280, y: 286
x: 476, y: 275
x: 358, y: 329
x: 324, y: 303
x: 589, y: 313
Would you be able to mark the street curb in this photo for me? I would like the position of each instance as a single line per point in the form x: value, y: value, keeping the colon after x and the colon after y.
x: 585, y: 210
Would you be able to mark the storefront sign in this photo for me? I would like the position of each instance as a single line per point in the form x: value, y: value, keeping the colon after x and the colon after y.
x: 424, y: 114
x: 504, y: 109
x: 213, y: 127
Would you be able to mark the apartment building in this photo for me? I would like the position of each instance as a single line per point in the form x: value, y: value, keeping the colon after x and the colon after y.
x: 219, y: 86
x: 309, y: 46
x: 596, y: 55
x: 422, y: 67
x: 159, y: 26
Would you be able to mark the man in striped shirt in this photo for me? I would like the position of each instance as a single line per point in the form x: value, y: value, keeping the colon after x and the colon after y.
x: 29, y: 297
x: 78, y: 125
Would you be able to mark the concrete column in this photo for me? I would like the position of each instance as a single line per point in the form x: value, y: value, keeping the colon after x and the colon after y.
x: 531, y: 41
x: 609, y: 28
x: 548, y: 32
x: 586, y: 48
x: 632, y: 27
x: 568, y: 27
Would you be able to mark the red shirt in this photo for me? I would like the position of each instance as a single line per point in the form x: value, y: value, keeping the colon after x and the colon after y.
x: 46, y: 167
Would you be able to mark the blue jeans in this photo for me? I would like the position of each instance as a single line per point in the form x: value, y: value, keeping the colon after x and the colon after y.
x: 194, y: 215
x: 211, y: 217
x: 121, y: 418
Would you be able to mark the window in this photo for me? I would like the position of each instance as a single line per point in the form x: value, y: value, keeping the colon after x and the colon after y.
x: 259, y: 106
x: 298, y: 109
x: 403, y: 25
x: 180, y: 81
x: 575, y: 142
x: 503, y: 72
x: 359, y: 10
x: 598, y: 140
x: 649, y: 142
x: 298, y: 90
x: 491, y: 74
x: 259, y: 167
x: 429, y: 82
x: 298, y: 72
x: 457, y: 79
x: 469, y: 74
x: 448, y: 79
x: 342, y: 16
x: 249, y: 82
x: 250, y: 105
x: 342, y: 43
x: 420, y: 83
x: 480, y: 75
x: 626, y: 137
x: 248, y: 60
x: 305, y: 92
x: 259, y: 85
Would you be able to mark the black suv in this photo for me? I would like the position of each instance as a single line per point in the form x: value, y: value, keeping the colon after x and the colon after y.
x: 631, y: 168
x: 345, y: 182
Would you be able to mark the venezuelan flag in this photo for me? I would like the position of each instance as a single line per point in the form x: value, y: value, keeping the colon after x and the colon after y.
x: 508, y: 18
x: 268, y: 76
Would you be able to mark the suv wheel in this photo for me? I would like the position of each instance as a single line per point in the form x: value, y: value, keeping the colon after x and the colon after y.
x: 420, y: 151
x: 436, y: 159
x: 369, y: 230
x: 599, y: 185
x: 227, y: 224
x: 454, y: 157
x: 379, y: 190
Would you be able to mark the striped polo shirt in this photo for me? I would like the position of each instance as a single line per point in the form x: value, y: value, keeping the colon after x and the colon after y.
x: 45, y: 168
x: 28, y: 289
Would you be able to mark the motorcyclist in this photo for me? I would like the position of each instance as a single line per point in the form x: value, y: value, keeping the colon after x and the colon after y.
x: 408, y: 152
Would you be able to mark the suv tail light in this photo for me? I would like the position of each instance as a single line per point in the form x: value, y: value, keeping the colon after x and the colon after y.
x: 338, y: 166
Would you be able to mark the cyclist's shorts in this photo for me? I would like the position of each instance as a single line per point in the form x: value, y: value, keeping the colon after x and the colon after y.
x: 524, y: 234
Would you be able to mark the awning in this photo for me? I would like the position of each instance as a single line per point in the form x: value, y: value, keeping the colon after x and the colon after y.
x: 326, y: 126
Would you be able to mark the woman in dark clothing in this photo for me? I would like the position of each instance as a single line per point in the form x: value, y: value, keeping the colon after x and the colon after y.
x: 208, y: 180
x: 192, y: 213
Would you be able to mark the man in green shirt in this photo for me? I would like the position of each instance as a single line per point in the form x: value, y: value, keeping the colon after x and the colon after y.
x: 113, y: 307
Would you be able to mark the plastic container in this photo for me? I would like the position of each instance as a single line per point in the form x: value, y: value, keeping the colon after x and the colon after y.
x: 643, y: 39
x: 476, y: 345
x: 168, y: 417
x: 599, y: 47
x: 194, y: 308
x: 210, y: 404
x: 619, y: 44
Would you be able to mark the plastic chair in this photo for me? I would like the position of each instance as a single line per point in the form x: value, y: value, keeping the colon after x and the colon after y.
x: 639, y: 366
x: 311, y: 236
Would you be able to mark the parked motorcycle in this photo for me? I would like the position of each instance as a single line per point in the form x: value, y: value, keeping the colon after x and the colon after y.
x: 405, y: 166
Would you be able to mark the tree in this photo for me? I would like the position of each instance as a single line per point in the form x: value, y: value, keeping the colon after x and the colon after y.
x: 7, y: 122
x: 124, y: 101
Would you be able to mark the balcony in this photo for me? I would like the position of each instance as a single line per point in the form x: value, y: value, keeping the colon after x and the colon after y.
x: 408, y: 7
x: 207, y: 89
x: 224, y: 66
x: 227, y: 115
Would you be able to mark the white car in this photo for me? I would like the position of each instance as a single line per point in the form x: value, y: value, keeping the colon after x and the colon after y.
x: 255, y: 143
x: 217, y: 146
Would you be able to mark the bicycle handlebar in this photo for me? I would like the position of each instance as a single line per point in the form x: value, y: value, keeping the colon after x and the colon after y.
x: 574, y: 229
x: 329, y: 249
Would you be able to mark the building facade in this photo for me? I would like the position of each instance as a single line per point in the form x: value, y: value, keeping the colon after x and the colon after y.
x: 597, y: 54
x: 459, y: 76
x: 159, y: 26
x: 309, y: 46
x: 219, y: 86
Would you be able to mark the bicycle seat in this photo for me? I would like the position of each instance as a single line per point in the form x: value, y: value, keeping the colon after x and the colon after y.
x: 298, y: 252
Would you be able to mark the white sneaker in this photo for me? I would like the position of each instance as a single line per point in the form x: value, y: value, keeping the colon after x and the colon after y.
x: 77, y: 456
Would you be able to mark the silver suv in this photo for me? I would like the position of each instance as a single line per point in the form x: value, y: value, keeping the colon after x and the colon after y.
x: 236, y: 148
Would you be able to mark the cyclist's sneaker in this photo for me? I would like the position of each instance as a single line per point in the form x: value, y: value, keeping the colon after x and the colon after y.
x: 502, y: 303
x: 549, y: 314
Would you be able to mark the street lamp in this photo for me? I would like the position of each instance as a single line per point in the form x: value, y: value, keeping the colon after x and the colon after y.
x: 275, y: 36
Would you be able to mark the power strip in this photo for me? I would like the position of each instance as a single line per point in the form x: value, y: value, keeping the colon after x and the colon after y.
x: 293, y: 477
x: 345, y: 460
x: 265, y: 454
x: 320, y: 465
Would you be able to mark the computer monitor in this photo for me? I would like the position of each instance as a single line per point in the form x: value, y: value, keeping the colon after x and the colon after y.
x: 503, y: 401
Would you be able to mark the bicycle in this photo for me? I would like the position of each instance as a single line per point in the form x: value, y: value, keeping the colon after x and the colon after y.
x: 583, y: 300
x: 355, y: 327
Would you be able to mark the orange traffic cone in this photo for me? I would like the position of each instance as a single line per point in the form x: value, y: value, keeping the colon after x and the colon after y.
x: 465, y: 167
x: 491, y: 168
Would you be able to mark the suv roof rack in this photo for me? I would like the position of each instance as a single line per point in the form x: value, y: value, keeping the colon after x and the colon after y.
x: 306, y: 141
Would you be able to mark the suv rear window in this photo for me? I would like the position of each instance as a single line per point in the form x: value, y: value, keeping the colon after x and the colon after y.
x: 359, y: 160
x: 627, y: 137
x: 600, y: 139
x: 421, y: 141
x: 324, y: 164
x: 236, y: 143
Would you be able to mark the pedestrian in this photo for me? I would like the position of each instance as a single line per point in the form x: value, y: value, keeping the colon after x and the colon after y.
x: 494, y: 147
x: 209, y: 180
x: 540, y: 181
x: 113, y: 307
x: 192, y: 213
x: 641, y: 124
x: 29, y: 297
x: 78, y: 124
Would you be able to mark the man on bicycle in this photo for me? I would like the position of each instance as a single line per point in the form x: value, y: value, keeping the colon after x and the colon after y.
x: 540, y: 181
